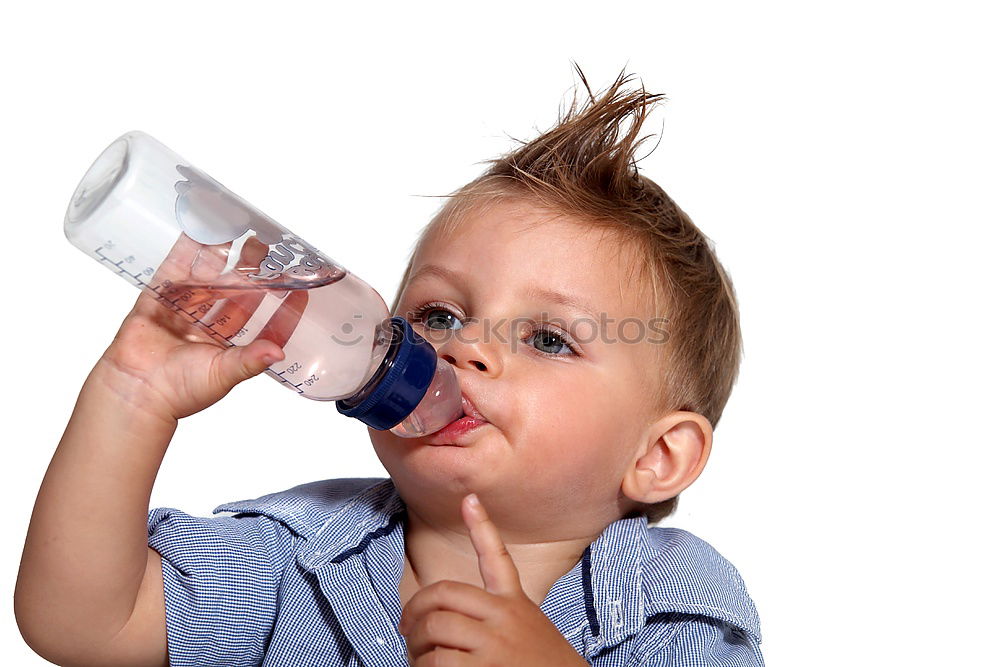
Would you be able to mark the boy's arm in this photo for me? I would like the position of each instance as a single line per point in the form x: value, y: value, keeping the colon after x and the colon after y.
x: 90, y: 590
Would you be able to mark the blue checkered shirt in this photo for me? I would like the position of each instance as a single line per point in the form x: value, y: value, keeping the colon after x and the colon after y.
x: 310, y: 576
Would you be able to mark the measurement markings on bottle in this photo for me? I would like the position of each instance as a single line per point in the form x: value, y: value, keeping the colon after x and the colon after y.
x: 277, y: 376
x: 194, y: 315
x: 137, y: 277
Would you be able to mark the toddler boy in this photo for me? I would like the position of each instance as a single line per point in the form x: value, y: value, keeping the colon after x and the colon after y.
x: 596, y: 340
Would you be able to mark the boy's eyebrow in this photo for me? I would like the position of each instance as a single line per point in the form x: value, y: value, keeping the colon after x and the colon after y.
x: 538, y: 293
x: 439, y: 271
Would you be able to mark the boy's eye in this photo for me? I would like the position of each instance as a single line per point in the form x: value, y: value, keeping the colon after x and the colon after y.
x: 435, y: 314
x: 546, y: 341
x: 552, y: 340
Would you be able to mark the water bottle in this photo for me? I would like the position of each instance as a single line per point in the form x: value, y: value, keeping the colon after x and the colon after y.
x: 164, y: 226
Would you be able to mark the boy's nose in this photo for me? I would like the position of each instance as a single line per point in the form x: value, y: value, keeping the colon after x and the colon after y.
x: 471, y: 363
x: 470, y: 349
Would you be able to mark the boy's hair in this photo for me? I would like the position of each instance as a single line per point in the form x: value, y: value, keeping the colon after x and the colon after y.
x: 585, y: 167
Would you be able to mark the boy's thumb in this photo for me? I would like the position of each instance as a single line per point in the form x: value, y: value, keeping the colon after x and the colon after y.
x: 242, y: 363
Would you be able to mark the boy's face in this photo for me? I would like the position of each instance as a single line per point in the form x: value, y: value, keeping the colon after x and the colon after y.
x: 566, y: 420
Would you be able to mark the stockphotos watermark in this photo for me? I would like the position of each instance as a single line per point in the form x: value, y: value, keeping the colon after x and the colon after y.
x: 581, y: 330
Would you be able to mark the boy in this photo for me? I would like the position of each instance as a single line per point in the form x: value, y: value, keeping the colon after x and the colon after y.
x: 596, y: 341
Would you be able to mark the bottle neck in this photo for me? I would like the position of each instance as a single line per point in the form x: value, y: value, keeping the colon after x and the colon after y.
x: 388, y: 329
x: 399, y: 384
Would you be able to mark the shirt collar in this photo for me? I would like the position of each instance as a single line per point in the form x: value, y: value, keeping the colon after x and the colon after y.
x: 638, y: 571
x: 615, y: 560
x: 372, y: 513
x: 630, y: 573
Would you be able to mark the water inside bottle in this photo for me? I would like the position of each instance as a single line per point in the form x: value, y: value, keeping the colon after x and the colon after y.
x: 330, y: 330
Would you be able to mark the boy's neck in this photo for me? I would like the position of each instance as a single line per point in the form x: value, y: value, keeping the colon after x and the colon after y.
x: 434, y: 554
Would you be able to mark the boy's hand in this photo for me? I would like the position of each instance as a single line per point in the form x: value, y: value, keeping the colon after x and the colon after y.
x: 164, y: 364
x: 452, y: 623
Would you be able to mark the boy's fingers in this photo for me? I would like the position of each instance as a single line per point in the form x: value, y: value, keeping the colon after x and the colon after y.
x: 497, y: 568
x: 209, y: 262
x: 448, y: 595
x: 443, y: 628
x: 229, y: 315
x: 239, y: 305
x: 176, y: 266
x: 237, y: 364
x: 282, y: 324
x: 446, y: 656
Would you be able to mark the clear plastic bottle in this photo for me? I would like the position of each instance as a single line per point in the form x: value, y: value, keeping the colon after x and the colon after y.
x: 164, y: 226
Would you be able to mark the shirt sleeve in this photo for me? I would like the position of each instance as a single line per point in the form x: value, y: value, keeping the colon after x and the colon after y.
x: 221, y: 578
x: 708, y: 642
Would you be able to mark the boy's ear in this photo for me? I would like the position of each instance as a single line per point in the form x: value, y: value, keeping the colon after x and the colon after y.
x: 675, y: 450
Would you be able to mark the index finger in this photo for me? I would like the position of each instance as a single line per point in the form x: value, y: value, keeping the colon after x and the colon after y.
x: 496, y: 566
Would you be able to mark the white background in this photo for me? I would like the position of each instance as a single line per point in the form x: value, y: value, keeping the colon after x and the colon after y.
x: 842, y: 156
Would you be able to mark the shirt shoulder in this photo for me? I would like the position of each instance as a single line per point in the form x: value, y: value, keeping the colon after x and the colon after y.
x: 305, y: 509
x: 684, y: 574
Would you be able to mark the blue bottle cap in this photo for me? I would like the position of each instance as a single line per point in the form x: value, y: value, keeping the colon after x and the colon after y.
x: 399, y: 384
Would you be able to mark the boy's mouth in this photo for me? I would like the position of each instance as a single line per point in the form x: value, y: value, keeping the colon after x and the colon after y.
x: 453, y: 432
x: 469, y: 408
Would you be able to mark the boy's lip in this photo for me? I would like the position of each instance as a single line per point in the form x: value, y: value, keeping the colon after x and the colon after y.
x: 455, y: 432
x: 470, y: 408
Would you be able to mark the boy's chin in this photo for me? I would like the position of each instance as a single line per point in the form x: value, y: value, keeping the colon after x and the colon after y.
x: 441, y: 464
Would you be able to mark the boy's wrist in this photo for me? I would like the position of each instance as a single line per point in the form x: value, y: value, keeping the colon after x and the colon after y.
x: 128, y: 396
